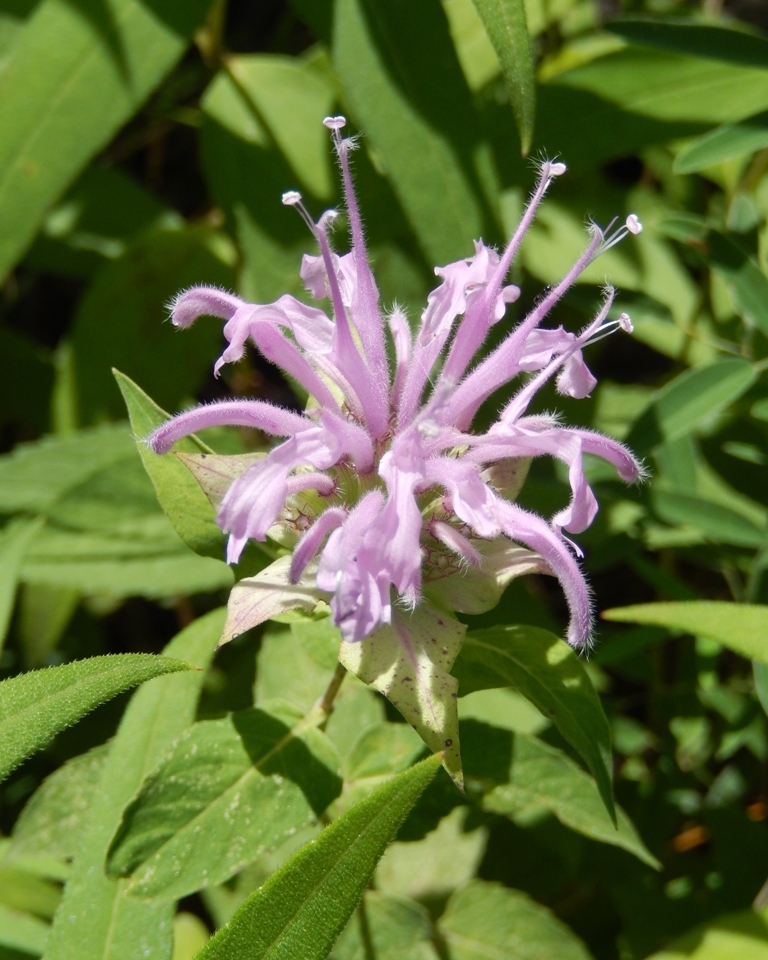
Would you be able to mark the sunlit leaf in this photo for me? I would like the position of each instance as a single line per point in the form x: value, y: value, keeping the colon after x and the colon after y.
x: 179, y: 494
x: 75, y: 75
x: 301, y: 909
x: 97, y: 920
x: 229, y: 790
x: 409, y: 662
x: 35, y: 706
x: 743, y: 935
x: 505, y: 22
x: 742, y: 627
x: 411, y: 100
x: 684, y: 402
x: 548, y: 672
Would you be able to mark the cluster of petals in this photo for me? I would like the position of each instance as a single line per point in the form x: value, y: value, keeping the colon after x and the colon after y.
x: 401, y: 427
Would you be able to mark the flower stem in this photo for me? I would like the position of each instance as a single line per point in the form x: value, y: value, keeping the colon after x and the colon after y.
x: 325, y: 703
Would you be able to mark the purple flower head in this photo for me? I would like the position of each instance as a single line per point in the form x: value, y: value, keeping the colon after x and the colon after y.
x: 380, y: 487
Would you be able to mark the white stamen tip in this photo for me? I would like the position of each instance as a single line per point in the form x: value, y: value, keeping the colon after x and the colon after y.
x: 633, y: 224
x: 625, y: 323
x: 291, y: 198
x: 335, y: 123
x: 557, y: 169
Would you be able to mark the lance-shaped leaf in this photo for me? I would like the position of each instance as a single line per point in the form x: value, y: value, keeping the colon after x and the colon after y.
x: 185, y: 504
x: 409, y: 662
x: 742, y: 627
x: 301, y: 909
x: 35, y: 706
x: 13, y: 544
x: 97, y: 920
x: 75, y: 76
x: 228, y: 791
x: 506, y: 25
x: 478, y: 589
x: 724, y: 143
x: 548, y: 672
x: 541, y: 776
x: 216, y: 473
x: 256, y: 599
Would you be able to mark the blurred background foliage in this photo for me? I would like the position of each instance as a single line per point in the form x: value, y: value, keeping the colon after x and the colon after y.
x: 144, y: 146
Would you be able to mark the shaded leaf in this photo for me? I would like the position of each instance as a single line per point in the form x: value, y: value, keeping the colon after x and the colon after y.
x: 724, y: 143
x: 35, y: 706
x: 412, y: 101
x: 542, y: 776
x: 133, y: 291
x: 742, y: 627
x: 97, y: 920
x: 54, y: 819
x: 484, y: 920
x: 228, y: 791
x: 506, y: 25
x: 303, y: 907
x: 747, y: 283
x: 14, y: 540
x: 717, y: 522
x: 708, y: 40
x: 395, y: 928
x: 409, y: 662
x: 548, y: 672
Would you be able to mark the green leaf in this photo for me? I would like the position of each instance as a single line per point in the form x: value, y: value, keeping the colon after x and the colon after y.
x: 412, y: 101
x: 742, y: 627
x: 671, y: 87
x: 708, y: 40
x: 485, y: 920
x: 35, y: 475
x: 53, y: 822
x: 395, y: 929
x: 291, y: 97
x: 22, y: 932
x: 541, y: 776
x: 724, y: 143
x: 75, y: 75
x: 14, y: 541
x: 548, y: 672
x: 35, y: 706
x: 506, y: 25
x: 180, y: 496
x: 743, y: 935
x: 681, y: 405
x: 717, y: 522
x: 21, y: 888
x: 746, y: 282
x: 760, y: 673
x: 97, y: 920
x: 228, y: 791
x: 149, y: 576
x: 93, y: 222
x: 301, y: 909
x: 409, y: 662
x: 134, y: 291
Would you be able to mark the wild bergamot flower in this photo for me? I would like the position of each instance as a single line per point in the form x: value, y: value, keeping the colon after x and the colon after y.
x: 395, y: 511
